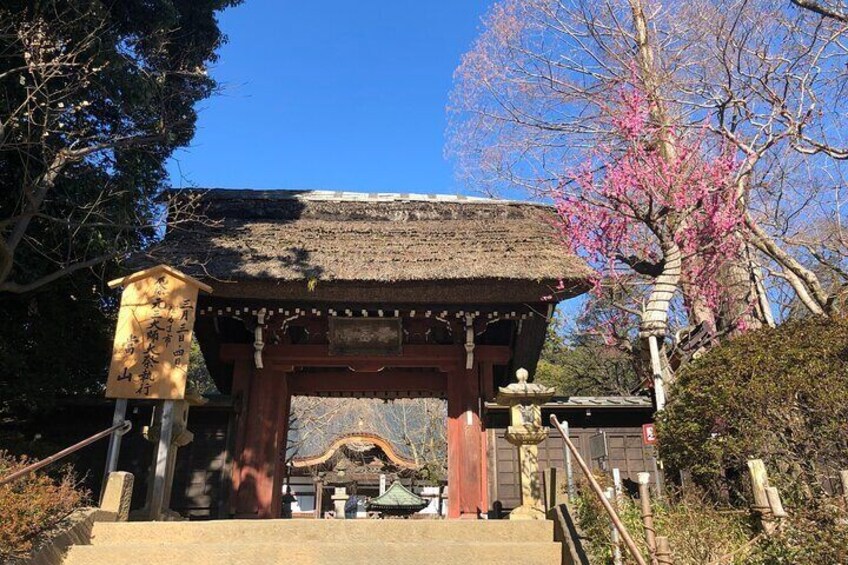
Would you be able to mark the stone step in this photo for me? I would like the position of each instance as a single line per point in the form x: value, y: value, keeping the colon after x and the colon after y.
x: 341, y: 531
x: 153, y: 551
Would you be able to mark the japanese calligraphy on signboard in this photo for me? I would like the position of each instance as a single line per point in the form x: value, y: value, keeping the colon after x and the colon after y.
x: 152, y: 345
x: 365, y: 336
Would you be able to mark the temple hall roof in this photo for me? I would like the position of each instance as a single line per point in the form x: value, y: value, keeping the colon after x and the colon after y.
x: 285, y: 237
x: 362, y: 442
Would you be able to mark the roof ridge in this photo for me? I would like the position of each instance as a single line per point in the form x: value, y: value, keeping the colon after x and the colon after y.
x: 347, y: 196
x: 600, y: 401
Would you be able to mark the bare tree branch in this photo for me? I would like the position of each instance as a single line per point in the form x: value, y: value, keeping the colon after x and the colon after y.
x: 821, y: 9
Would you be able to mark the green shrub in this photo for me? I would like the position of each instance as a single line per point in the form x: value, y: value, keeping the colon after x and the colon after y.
x: 774, y: 394
x: 779, y: 395
x: 698, y: 531
x: 32, y: 506
x: 701, y: 532
x: 816, y: 535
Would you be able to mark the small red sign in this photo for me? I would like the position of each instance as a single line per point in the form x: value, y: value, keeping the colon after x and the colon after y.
x: 649, y: 435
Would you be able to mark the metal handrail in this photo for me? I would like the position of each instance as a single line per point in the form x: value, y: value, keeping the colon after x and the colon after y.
x: 121, y: 428
x: 619, y: 525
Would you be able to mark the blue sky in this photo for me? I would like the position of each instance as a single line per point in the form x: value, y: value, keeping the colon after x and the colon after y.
x: 332, y: 95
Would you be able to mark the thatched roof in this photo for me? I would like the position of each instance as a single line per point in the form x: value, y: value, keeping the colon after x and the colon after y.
x: 283, y: 236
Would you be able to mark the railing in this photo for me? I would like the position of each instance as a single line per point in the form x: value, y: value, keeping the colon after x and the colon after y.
x: 119, y: 428
x: 596, y: 488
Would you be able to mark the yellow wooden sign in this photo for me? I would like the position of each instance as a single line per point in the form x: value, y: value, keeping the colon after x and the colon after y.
x: 150, y: 355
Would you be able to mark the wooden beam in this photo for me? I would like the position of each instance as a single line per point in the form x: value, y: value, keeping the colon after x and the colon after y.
x: 279, y: 460
x: 443, y: 357
x: 262, y: 420
x: 348, y: 382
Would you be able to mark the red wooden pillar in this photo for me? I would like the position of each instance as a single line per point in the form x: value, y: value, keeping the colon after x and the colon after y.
x: 466, y: 498
x: 260, y: 441
x: 281, y: 448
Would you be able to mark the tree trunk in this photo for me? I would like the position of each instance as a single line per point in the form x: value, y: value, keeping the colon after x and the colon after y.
x: 655, y: 313
x: 648, y: 71
x: 700, y: 312
x: 803, y: 281
x: 33, y: 201
x: 654, y: 322
x: 740, y: 306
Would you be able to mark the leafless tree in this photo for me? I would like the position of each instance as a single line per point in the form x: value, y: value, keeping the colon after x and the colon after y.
x: 772, y: 80
x: 836, y: 10
x: 421, y: 424
x: 417, y: 426
x: 64, y: 206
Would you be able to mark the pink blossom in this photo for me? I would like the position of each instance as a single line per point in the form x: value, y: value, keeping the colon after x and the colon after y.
x: 627, y: 200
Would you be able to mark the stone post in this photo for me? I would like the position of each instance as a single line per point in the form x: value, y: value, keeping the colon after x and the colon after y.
x: 759, y: 482
x: 319, y: 495
x: 117, y: 495
x: 555, y: 488
x: 339, y: 499
x: 526, y: 433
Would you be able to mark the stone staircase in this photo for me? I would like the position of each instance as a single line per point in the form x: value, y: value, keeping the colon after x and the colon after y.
x: 315, y: 542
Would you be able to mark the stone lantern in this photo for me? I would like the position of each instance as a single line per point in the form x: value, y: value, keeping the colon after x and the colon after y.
x: 340, y: 498
x: 526, y: 432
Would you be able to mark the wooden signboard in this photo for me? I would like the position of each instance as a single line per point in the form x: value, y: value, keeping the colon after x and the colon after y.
x: 598, y: 448
x: 365, y: 336
x: 153, y: 337
x: 649, y: 434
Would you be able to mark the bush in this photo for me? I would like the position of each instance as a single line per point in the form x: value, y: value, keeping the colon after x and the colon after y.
x: 774, y: 394
x: 698, y: 531
x: 778, y: 395
x: 32, y: 506
x: 810, y: 536
x: 701, y: 532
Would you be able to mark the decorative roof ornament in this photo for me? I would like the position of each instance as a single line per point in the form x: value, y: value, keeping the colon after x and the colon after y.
x: 358, y: 443
x: 360, y: 446
x: 522, y: 392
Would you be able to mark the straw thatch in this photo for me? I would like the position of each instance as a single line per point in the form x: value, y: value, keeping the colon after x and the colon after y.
x: 281, y: 236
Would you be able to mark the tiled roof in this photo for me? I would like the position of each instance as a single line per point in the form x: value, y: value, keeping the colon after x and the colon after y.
x: 397, y: 497
x: 593, y: 402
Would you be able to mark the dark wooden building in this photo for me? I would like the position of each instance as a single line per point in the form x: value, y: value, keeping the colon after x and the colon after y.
x: 619, y: 418
x: 202, y: 480
x: 361, y: 295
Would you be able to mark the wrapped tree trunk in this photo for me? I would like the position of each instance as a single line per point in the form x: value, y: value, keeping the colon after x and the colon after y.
x: 654, y: 322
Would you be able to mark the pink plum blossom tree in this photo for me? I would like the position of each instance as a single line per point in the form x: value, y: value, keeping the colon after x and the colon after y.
x: 688, y: 147
x: 670, y: 218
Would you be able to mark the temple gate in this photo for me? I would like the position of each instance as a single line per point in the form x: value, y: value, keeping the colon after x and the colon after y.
x: 386, y: 296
